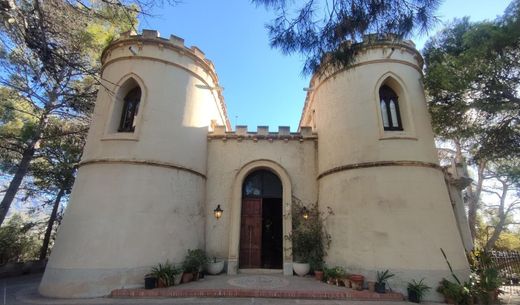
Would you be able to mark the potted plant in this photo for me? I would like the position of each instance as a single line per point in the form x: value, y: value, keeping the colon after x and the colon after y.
x: 150, y: 281
x: 334, y: 275
x: 309, y: 237
x: 417, y: 290
x: 455, y: 293
x: 486, y: 277
x: 193, y: 263
x: 318, y: 266
x: 382, y: 278
x: 356, y: 281
x: 164, y: 274
x: 215, y: 266
x: 177, y: 274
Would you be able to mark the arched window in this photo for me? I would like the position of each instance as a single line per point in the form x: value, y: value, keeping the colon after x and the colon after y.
x: 262, y: 183
x: 390, y: 109
x: 130, y: 110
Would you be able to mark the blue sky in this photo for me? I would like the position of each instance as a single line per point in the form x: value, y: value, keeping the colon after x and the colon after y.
x: 263, y: 86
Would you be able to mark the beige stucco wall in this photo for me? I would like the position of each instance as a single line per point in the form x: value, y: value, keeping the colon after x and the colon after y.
x: 229, y: 162
x: 143, y: 197
x: 392, y: 208
x: 139, y: 197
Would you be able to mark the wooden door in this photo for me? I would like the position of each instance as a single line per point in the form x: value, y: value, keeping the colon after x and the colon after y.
x: 251, y: 233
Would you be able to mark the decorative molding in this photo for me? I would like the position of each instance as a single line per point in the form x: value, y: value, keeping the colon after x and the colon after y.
x: 141, y: 162
x: 379, y: 164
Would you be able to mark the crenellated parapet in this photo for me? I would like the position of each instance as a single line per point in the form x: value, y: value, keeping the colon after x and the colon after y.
x: 262, y: 133
x: 374, y: 49
x: 149, y: 45
x: 153, y: 37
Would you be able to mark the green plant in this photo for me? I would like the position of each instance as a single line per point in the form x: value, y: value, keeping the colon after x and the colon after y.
x: 458, y: 293
x: 316, y: 264
x: 194, y: 260
x: 310, y: 240
x: 383, y: 276
x: 336, y: 272
x: 485, y: 277
x: 417, y: 290
x: 165, y: 273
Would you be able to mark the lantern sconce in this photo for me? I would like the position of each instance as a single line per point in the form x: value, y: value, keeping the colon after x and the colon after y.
x: 305, y: 213
x: 218, y: 212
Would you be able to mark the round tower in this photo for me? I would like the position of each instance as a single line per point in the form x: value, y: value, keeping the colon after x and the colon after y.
x: 139, y: 194
x: 378, y: 169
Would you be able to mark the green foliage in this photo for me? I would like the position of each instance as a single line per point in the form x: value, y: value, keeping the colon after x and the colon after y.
x: 166, y: 272
x: 319, y: 30
x: 485, y: 277
x: 310, y: 240
x: 59, y: 155
x: 508, y: 241
x: 17, y: 242
x: 17, y: 124
x: 472, y: 73
x: 195, y: 260
x: 49, y: 70
x: 458, y: 293
x: 483, y: 283
x: 418, y: 288
x: 333, y: 273
x: 383, y: 276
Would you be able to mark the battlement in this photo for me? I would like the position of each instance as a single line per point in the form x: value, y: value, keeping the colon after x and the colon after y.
x: 386, y: 38
x: 148, y: 36
x: 262, y: 133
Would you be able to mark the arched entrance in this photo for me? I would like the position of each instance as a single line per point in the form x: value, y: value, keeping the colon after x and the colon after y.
x: 261, y: 221
x: 235, y: 212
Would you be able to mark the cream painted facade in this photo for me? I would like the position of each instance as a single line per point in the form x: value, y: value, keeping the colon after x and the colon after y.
x: 147, y: 196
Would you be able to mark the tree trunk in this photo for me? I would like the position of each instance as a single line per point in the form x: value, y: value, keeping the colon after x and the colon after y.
x: 474, y: 199
x: 502, y: 215
x: 23, y: 167
x: 50, y: 224
x: 14, y: 185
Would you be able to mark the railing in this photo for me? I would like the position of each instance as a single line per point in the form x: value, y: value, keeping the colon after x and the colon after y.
x: 508, y: 264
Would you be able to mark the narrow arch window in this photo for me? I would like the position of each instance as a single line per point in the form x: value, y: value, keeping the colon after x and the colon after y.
x: 130, y: 110
x: 390, y: 109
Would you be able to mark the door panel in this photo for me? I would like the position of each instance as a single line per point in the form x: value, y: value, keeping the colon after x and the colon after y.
x: 251, y: 233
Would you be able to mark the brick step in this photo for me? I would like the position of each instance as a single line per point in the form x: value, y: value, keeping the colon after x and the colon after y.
x: 173, y: 292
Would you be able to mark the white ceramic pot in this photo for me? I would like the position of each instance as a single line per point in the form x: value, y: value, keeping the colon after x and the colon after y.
x: 301, y: 268
x: 215, y: 268
x: 177, y: 279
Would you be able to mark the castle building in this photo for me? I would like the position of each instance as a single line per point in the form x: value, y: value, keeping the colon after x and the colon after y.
x: 161, y: 157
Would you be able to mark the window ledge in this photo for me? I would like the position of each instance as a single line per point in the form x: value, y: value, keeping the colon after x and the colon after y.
x: 393, y: 135
x: 120, y: 136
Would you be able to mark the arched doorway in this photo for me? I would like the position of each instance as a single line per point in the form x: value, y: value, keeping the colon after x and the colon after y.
x: 261, y: 221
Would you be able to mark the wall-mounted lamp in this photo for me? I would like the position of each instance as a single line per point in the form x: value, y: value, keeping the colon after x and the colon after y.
x: 218, y: 212
x: 305, y: 213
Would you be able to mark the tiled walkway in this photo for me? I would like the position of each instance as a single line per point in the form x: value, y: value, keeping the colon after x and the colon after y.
x: 259, y: 286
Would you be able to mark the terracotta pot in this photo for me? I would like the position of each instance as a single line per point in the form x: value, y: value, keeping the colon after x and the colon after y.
x: 187, y: 277
x: 357, y: 281
x: 161, y: 283
x: 195, y: 276
x: 318, y: 275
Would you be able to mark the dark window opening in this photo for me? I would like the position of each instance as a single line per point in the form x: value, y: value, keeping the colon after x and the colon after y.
x: 130, y: 110
x: 390, y: 113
